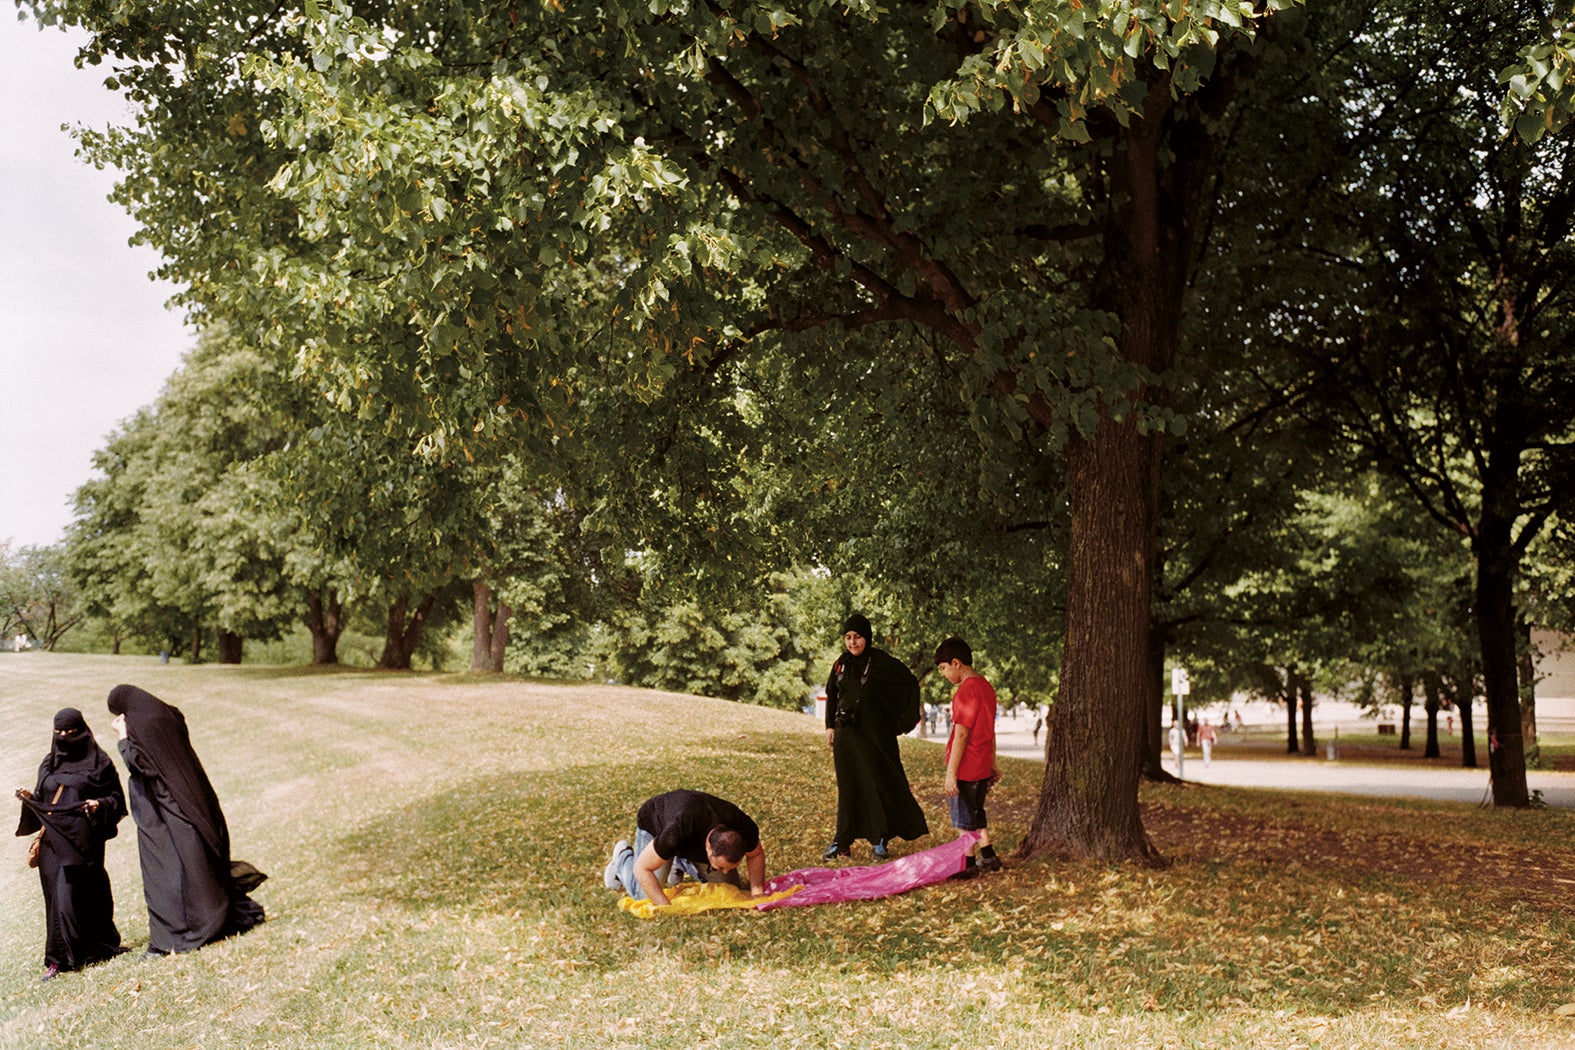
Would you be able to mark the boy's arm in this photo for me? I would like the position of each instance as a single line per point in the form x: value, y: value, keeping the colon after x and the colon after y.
x: 995, y: 771
x: 954, y: 760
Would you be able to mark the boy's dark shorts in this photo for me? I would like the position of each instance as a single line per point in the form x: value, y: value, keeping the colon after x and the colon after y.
x: 968, y: 805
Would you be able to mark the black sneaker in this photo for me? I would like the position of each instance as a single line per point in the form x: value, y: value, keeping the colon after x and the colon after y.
x: 834, y: 851
x: 990, y: 863
x: 971, y: 871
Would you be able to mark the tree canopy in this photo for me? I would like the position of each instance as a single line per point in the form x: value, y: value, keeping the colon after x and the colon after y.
x: 927, y: 293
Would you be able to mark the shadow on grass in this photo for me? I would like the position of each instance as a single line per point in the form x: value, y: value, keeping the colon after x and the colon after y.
x: 532, y: 847
x: 1280, y: 924
x: 273, y: 672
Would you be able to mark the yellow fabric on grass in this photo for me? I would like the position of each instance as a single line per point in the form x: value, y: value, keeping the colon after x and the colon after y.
x: 691, y: 898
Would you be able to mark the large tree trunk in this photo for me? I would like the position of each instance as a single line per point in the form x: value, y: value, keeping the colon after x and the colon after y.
x: 403, y: 632
x: 325, y: 619
x: 1156, y: 170
x: 1309, y: 744
x: 489, y: 632
x: 1088, y: 804
x: 1495, y: 616
x: 1407, y: 699
x: 231, y: 646
x: 196, y: 642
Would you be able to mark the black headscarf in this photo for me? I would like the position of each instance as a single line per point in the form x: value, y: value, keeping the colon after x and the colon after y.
x: 158, y: 733
x: 74, y: 746
x: 75, y: 759
x: 859, y: 624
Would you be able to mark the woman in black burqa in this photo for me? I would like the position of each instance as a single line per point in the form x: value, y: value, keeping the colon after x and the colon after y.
x: 195, y: 895
x: 78, y: 804
x: 865, y: 696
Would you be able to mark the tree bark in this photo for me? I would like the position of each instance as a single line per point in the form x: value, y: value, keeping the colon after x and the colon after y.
x: 196, y: 643
x: 489, y: 632
x: 1464, y: 702
x: 231, y: 647
x: 1088, y: 802
x: 500, y: 635
x: 1432, y: 689
x: 1407, y: 699
x: 1495, y: 615
x: 403, y: 632
x: 1528, y: 694
x: 1153, y: 179
x: 325, y: 619
x: 1289, y: 695
x: 1309, y: 745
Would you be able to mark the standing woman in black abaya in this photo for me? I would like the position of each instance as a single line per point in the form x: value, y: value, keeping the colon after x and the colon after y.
x: 187, y: 879
x: 77, y: 804
x: 865, y: 696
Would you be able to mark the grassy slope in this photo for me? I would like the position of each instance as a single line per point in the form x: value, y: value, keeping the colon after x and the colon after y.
x: 436, y: 842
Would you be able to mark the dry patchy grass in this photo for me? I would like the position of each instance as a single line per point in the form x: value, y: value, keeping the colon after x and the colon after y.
x: 436, y: 844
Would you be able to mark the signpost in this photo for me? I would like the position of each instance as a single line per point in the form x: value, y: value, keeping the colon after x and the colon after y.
x: 1181, y: 686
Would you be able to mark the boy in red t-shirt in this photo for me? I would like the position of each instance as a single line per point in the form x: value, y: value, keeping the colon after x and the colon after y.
x: 970, y: 752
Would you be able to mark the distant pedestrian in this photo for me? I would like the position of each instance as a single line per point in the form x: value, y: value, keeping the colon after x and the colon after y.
x: 970, y: 752
x: 1206, y: 738
x: 1038, y: 723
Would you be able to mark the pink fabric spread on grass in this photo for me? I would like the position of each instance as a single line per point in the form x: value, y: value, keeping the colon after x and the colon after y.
x: 869, y: 881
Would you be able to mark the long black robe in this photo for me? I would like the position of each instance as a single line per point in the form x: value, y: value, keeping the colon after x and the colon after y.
x: 182, y: 839
x: 79, y: 907
x: 864, y: 697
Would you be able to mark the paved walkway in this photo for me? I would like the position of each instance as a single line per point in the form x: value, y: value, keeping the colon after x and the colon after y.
x: 1321, y: 774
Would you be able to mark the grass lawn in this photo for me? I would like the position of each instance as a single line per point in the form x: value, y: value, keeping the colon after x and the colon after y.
x: 436, y: 844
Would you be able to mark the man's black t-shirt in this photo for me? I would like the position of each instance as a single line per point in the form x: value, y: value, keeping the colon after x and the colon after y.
x: 680, y: 821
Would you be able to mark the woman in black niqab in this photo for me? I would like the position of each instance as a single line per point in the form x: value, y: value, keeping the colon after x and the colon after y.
x: 182, y: 839
x: 78, y: 804
x: 865, y: 695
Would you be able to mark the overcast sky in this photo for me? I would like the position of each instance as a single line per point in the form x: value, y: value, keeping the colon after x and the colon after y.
x: 85, y: 339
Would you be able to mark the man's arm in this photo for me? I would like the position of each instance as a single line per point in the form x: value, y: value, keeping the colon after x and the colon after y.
x: 755, y: 864
x: 645, y: 868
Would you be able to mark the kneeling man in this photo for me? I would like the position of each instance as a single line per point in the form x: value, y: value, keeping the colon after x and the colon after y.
x: 693, y: 832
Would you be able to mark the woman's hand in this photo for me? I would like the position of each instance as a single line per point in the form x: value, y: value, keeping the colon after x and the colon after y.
x: 120, y: 726
x: 90, y: 807
x: 831, y: 738
x: 23, y: 794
